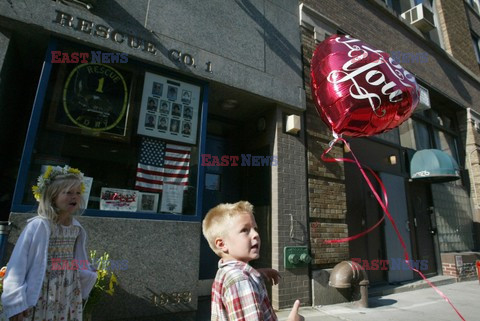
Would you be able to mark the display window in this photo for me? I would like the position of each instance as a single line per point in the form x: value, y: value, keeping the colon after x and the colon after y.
x: 134, y: 131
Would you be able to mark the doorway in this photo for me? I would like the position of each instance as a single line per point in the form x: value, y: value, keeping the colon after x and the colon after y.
x: 363, y: 211
x: 397, y: 207
x: 422, y: 218
x: 221, y: 186
x: 230, y: 184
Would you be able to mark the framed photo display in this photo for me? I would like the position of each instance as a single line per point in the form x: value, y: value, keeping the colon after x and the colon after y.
x: 169, y: 109
x: 147, y: 202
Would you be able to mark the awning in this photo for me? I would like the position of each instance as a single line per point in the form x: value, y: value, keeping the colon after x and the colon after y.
x: 433, y: 166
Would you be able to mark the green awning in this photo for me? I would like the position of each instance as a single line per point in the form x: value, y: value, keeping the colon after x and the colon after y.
x: 434, y: 166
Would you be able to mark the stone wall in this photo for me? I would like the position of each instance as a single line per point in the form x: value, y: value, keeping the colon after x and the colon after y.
x: 159, y: 270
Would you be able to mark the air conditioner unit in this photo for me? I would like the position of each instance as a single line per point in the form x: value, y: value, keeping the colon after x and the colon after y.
x: 420, y: 17
x: 424, y: 100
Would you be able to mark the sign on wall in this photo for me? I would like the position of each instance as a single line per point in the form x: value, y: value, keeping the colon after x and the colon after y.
x: 169, y: 109
x: 91, y: 99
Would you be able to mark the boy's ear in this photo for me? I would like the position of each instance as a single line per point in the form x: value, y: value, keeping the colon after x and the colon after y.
x: 220, y: 244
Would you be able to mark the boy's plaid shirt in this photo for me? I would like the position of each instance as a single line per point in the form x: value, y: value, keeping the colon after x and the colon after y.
x: 239, y: 294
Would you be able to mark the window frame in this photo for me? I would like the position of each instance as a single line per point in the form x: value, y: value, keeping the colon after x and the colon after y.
x: 33, y: 130
x: 433, y: 127
x: 476, y: 45
x: 475, y: 5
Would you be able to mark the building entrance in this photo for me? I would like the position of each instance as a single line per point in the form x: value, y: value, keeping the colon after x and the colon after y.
x: 422, y: 218
x: 231, y: 184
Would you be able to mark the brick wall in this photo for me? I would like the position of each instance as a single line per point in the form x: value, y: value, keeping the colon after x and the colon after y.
x: 464, y: 268
x: 326, y: 181
x: 456, y: 31
x: 289, y: 215
x: 371, y: 22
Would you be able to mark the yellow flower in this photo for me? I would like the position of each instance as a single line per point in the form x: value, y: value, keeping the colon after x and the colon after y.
x: 113, y: 280
x: 74, y: 170
x: 106, y: 281
x: 48, y: 172
x: 36, y: 193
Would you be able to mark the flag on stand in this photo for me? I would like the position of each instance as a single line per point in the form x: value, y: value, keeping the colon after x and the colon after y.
x: 161, y: 163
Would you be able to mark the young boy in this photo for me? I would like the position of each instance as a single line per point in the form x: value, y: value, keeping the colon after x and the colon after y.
x: 238, y: 292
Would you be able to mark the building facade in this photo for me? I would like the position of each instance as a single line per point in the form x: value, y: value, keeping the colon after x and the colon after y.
x: 107, y: 86
x: 437, y: 220
x: 110, y: 86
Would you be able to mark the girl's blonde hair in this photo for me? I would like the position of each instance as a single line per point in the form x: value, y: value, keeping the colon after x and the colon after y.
x: 214, y: 223
x: 46, y: 206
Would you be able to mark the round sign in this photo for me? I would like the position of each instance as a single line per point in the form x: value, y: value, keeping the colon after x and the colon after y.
x: 95, y: 97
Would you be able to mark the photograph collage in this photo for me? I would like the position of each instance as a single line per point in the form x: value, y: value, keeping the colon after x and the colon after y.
x: 169, y: 109
x: 165, y: 113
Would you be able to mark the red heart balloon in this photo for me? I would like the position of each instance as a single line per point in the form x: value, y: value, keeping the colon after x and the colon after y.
x: 358, y: 90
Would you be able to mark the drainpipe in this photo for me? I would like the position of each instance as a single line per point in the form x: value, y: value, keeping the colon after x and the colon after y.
x: 348, y: 274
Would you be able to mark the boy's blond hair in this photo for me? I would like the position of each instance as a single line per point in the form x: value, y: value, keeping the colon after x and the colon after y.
x: 214, y: 223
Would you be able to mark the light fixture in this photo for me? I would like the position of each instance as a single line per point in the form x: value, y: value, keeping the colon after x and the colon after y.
x: 292, y: 125
x: 392, y: 159
x: 229, y: 104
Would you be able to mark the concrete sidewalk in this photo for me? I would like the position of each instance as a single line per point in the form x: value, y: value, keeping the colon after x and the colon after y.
x: 420, y: 304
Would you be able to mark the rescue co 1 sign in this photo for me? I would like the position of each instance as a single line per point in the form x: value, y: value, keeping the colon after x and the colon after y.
x: 120, y: 37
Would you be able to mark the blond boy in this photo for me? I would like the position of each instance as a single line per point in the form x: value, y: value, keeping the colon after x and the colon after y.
x: 238, y: 292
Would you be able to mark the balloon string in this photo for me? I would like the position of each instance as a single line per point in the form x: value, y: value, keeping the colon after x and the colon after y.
x: 384, y: 192
x: 384, y: 205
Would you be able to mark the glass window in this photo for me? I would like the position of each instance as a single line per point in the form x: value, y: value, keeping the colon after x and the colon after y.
x: 476, y: 46
x: 391, y: 136
x: 446, y: 143
x: 422, y: 136
x: 433, y: 116
x: 89, y: 121
x: 407, y: 137
x: 475, y: 5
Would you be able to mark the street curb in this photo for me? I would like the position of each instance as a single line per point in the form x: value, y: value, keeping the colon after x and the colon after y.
x: 421, y: 284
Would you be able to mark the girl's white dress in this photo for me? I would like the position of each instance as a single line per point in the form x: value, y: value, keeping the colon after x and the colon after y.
x: 60, y: 298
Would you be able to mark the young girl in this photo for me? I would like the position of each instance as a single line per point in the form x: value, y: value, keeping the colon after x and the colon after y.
x: 34, y: 288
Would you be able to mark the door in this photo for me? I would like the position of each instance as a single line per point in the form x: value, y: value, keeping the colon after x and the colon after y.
x: 222, y: 184
x: 423, y: 222
x: 363, y: 211
x: 397, y: 207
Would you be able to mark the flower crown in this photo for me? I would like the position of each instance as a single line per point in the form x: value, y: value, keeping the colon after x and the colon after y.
x: 49, y: 176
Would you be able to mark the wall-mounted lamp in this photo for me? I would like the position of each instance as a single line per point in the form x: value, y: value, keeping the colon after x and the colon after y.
x: 392, y: 159
x: 292, y: 125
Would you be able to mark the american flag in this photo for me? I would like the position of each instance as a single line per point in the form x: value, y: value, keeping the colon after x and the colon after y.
x: 161, y: 163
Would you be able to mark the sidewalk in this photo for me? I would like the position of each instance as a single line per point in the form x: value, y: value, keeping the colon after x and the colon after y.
x: 421, y: 304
